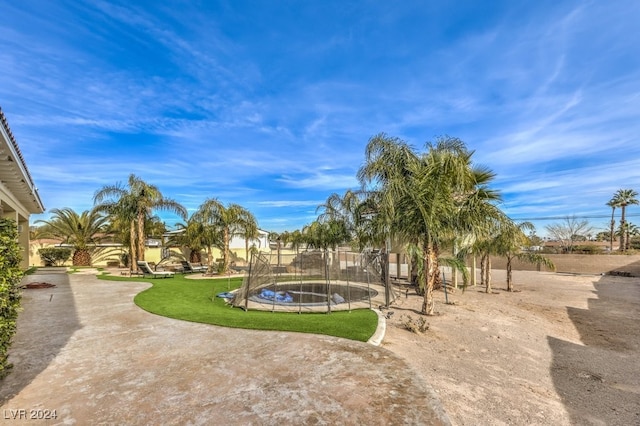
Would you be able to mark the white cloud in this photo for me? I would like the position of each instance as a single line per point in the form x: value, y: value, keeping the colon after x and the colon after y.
x: 289, y: 203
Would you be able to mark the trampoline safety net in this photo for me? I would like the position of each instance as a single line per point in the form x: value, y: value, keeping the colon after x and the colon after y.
x: 314, y: 281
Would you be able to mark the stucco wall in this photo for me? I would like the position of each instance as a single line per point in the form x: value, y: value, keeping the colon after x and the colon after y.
x: 581, y: 263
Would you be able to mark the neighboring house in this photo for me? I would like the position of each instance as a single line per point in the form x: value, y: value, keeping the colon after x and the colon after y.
x: 18, y: 194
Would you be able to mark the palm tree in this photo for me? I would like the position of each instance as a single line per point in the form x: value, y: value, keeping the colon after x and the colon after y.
x: 222, y: 224
x: 428, y: 198
x: 328, y: 234
x: 133, y: 204
x: 122, y: 221
x: 82, y: 231
x: 341, y: 208
x: 509, y: 243
x: 623, y: 198
x: 294, y: 239
x: 154, y: 227
x: 613, y: 204
x: 191, y: 236
x: 630, y: 230
x: 248, y: 229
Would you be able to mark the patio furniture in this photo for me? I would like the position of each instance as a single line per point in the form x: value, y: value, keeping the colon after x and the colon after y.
x: 148, y: 272
x: 189, y: 268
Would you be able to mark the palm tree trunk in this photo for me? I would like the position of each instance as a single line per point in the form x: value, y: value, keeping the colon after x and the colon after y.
x: 225, y: 255
x: 483, y: 265
x: 81, y: 257
x: 133, y: 259
x: 626, y: 238
x: 487, y: 271
x: 141, y: 237
x: 194, y: 256
x: 613, y: 224
x: 473, y: 271
x: 431, y: 275
x: 622, y: 223
x: 209, y: 260
x: 509, y: 274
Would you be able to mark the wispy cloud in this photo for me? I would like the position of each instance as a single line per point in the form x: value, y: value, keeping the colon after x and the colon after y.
x: 289, y: 203
x: 271, y: 107
x: 323, y: 181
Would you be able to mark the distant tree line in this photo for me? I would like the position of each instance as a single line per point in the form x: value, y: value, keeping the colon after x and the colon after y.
x: 572, y: 230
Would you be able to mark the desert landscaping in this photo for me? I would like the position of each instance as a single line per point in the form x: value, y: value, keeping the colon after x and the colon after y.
x: 563, y: 349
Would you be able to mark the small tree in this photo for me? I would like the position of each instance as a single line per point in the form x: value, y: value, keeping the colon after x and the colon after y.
x: 54, y: 256
x: 569, y: 231
x: 10, y: 276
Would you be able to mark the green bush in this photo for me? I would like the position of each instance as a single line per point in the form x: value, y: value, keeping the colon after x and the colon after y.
x: 10, y: 276
x: 54, y: 256
x: 587, y: 249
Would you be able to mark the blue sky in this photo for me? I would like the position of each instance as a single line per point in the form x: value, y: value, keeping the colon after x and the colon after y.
x: 270, y: 104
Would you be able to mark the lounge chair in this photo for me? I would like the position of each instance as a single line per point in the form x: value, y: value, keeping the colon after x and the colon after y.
x: 188, y: 268
x: 148, y: 272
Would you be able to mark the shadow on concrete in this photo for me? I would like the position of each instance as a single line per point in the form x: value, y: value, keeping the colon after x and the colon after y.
x: 37, y: 342
x: 599, y: 381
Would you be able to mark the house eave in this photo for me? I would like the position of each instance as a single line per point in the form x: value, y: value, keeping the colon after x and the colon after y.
x: 14, y: 174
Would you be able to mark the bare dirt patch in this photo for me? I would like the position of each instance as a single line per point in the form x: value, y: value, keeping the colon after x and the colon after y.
x: 561, y: 350
x: 37, y: 285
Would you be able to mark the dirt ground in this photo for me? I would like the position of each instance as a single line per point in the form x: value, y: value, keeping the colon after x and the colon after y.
x: 560, y: 350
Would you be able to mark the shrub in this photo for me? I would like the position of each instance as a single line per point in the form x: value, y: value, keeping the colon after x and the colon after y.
x: 10, y: 276
x: 54, y: 256
x: 588, y: 249
x: 410, y: 324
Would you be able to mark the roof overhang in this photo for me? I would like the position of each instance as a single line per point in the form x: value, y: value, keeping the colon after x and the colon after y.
x: 14, y: 174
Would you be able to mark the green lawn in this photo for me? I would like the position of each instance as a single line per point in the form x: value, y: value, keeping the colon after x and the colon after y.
x: 194, y: 300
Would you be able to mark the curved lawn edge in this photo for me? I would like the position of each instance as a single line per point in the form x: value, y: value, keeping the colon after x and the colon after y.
x: 196, y: 301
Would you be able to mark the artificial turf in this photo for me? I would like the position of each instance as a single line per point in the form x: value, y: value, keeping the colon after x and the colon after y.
x: 195, y: 300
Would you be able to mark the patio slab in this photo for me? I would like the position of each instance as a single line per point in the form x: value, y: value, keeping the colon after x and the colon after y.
x: 85, y: 350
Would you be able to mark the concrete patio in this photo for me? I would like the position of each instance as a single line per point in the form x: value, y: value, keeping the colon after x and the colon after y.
x: 85, y: 350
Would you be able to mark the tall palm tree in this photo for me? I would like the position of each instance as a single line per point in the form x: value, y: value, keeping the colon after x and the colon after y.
x: 248, y: 229
x: 223, y: 223
x: 428, y: 197
x: 623, y: 198
x: 133, y: 204
x: 82, y: 231
x: 343, y: 208
x: 122, y: 219
x: 613, y: 204
x: 191, y: 236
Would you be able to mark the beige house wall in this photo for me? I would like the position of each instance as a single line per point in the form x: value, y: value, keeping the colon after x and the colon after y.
x: 151, y: 254
x: 10, y: 208
x: 18, y: 195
